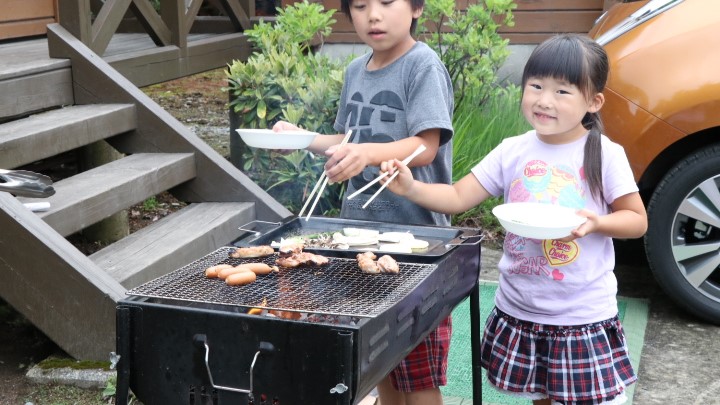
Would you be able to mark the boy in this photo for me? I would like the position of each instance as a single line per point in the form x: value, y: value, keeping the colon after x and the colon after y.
x: 394, y: 99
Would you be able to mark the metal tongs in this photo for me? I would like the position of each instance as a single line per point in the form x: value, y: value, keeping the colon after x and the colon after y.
x: 25, y: 183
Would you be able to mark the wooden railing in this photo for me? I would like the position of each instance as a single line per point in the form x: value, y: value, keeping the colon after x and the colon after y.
x: 95, y: 22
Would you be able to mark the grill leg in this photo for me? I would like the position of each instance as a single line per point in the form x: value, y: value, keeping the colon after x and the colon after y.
x: 475, y: 337
x: 123, y: 349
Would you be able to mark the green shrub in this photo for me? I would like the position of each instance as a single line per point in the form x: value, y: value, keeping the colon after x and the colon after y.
x: 285, y: 80
x: 468, y: 43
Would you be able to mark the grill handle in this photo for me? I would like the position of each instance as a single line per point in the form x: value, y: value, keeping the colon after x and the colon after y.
x: 254, y: 232
x: 200, y: 341
x: 480, y: 238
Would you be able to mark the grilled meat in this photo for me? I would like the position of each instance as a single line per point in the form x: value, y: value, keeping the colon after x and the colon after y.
x: 366, y: 262
x: 385, y: 264
x: 388, y: 265
x: 252, y: 251
x: 290, y: 249
x: 293, y: 256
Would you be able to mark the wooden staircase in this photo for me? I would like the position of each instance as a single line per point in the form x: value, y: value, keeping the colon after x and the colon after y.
x: 54, y: 105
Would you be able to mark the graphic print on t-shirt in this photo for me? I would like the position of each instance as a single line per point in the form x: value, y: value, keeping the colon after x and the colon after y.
x: 385, y: 106
x: 545, y: 183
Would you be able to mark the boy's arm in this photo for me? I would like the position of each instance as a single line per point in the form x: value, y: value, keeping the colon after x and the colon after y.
x: 352, y: 158
x: 319, y: 145
x: 322, y: 143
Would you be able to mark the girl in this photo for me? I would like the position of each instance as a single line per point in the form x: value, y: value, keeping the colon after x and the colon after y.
x: 554, y: 335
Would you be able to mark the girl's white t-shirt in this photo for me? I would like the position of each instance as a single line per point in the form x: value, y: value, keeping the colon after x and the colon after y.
x: 548, y: 281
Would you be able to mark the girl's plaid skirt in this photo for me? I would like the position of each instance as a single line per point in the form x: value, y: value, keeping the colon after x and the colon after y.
x: 583, y: 364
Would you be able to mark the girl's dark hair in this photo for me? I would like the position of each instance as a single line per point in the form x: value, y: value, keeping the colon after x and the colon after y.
x: 415, y: 4
x: 582, y: 62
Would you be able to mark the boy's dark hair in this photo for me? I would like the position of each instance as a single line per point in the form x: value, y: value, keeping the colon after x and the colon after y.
x: 415, y: 4
x: 582, y: 62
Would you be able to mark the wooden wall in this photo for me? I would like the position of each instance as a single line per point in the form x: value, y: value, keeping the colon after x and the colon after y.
x: 535, y: 20
x: 23, y: 18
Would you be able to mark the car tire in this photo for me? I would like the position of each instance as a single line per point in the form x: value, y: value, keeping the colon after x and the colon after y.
x: 683, y: 238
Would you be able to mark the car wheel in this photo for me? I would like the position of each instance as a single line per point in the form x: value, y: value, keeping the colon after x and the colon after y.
x: 683, y: 238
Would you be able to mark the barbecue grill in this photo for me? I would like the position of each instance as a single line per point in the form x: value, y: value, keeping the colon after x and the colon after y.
x: 326, y: 334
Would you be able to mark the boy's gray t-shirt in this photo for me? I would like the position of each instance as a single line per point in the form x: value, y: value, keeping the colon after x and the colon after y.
x: 412, y: 94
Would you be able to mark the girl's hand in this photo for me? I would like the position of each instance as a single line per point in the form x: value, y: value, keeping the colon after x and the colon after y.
x: 588, y: 227
x: 628, y: 219
x: 345, y: 161
x: 403, y: 183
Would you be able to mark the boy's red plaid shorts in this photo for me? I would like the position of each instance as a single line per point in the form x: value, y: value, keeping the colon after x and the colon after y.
x: 426, y: 366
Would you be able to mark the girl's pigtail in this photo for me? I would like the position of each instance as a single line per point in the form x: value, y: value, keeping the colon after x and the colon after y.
x: 592, y: 161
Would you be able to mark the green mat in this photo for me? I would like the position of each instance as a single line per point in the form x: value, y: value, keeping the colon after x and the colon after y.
x: 633, y: 314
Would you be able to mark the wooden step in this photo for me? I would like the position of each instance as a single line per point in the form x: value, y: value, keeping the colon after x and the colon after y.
x: 91, y: 196
x: 174, y: 241
x: 53, y: 132
x: 23, y: 95
x: 28, y: 57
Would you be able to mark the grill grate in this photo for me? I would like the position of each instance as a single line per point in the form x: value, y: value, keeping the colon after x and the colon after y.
x: 339, y: 288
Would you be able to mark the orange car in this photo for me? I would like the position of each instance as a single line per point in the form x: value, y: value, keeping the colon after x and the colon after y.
x: 663, y: 106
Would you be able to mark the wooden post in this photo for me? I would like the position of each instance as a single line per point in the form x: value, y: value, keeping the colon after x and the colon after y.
x: 76, y: 16
x: 173, y: 14
x: 116, y: 226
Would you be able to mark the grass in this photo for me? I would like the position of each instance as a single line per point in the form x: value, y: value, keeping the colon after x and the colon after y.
x: 477, y: 131
x: 58, y: 394
x: 62, y: 362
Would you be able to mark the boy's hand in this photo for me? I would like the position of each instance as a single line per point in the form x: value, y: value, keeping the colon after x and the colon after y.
x: 284, y: 126
x: 345, y: 161
x: 403, y: 183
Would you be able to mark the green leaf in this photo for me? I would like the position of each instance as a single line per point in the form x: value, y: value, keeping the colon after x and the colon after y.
x: 261, y: 109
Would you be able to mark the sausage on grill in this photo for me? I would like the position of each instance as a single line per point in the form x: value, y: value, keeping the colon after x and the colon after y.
x: 212, y: 271
x: 260, y: 268
x: 241, y: 278
x: 224, y: 273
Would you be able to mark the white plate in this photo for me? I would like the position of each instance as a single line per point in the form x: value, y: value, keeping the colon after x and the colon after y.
x: 269, y: 139
x: 538, y: 221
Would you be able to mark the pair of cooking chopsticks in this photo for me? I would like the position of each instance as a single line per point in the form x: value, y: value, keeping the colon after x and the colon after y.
x: 420, y: 149
x: 322, y: 182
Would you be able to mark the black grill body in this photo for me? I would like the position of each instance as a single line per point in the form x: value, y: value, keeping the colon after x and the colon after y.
x: 179, y: 350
